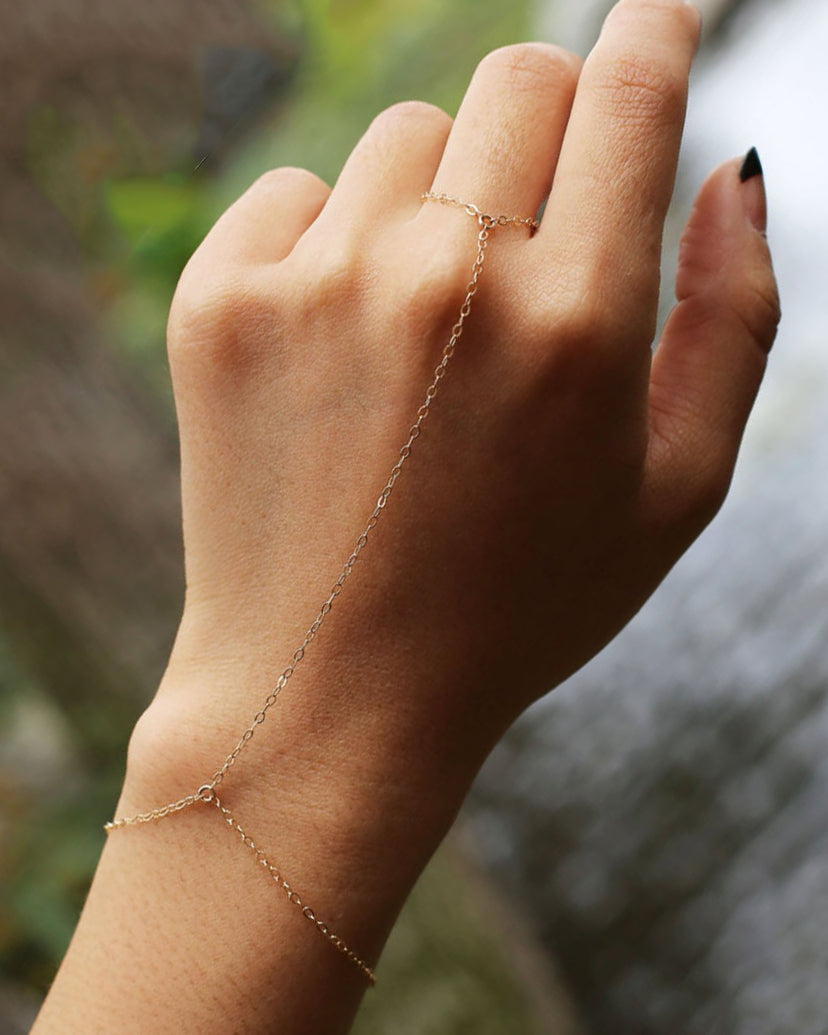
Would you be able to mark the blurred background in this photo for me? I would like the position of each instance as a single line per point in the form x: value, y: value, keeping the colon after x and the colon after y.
x: 646, y: 853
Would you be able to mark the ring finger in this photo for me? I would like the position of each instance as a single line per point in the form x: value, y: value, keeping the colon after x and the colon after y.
x: 503, y: 148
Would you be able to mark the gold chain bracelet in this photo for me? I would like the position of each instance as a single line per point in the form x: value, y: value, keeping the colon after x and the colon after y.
x: 208, y: 793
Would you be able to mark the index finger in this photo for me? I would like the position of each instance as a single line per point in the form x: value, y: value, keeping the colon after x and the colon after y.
x: 605, y: 215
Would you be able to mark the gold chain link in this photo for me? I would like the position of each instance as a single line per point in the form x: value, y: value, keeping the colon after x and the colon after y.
x: 293, y: 895
x: 206, y: 794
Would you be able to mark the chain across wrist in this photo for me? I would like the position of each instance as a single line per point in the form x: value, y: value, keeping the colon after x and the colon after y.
x: 208, y: 793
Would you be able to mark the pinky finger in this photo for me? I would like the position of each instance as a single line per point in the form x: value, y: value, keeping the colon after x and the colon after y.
x: 265, y: 223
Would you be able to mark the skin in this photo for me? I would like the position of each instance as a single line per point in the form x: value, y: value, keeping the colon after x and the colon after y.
x: 561, y: 473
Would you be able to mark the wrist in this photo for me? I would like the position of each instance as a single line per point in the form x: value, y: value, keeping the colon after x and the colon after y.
x: 367, y: 714
x: 182, y: 901
x: 349, y: 808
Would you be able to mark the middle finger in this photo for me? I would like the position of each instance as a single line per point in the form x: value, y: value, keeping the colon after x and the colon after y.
x: 605, y: 217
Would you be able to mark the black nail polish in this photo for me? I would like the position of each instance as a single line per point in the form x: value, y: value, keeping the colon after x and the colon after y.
x: 751, y: 166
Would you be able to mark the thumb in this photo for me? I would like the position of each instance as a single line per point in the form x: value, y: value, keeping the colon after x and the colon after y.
x: 714, y: 349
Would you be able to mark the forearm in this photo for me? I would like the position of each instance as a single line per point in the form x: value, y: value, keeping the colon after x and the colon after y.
x: 184, y: 931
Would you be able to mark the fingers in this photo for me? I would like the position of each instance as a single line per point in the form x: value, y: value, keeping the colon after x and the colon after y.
x: 713, y: 353
x: 390, y: 168
x: 500, y: 152
x: 605, y: 217
x: 504, y: 145
x: 267, y: 220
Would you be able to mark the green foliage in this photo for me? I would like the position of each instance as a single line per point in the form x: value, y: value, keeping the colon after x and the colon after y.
x: 148, y: 207
x: 163, y: 222
x: 362, y: 57
x: 57, y: 850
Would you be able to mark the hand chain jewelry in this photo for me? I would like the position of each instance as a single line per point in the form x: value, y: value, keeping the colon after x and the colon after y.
x: 207, y: 793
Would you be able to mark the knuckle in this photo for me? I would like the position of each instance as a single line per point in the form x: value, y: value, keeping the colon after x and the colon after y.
x: 286, y: 180
x: 211, y: 316
x: 639, y: 91
x: 591, y: 315
x: 760, y: 310
x: 320, y: 285
x: 684, y: 18
x: 426, y: 300
x: 703, y: 500
x: 531, y: 66
x: 570, y: 347
x: 693, y: 493
x: 236, y: 316
x: 580, y: 327
x: 689, y: 17
x: 339, y: 271
x: 399, y: 116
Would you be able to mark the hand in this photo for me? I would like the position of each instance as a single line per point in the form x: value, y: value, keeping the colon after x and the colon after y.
x: 560, y: 473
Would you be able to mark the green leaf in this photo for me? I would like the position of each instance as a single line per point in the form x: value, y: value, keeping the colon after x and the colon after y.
x: 145, y: 209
